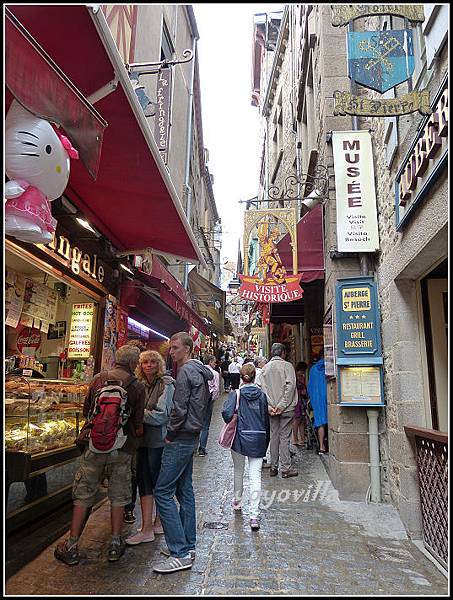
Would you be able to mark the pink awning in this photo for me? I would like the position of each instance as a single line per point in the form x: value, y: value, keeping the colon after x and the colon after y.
x: 310, y: 247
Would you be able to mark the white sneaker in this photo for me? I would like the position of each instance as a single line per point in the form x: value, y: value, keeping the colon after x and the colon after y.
x: 172, y: 564
x: 166, y: 552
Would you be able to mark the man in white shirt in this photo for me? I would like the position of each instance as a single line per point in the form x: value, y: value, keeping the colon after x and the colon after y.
x: 235, y: 373
x: 214, y: 390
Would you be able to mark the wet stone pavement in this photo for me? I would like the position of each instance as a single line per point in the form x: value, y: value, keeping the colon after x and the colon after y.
x: 309, y: 543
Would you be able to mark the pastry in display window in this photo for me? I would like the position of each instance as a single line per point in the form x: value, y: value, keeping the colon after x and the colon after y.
x: 42, y: 415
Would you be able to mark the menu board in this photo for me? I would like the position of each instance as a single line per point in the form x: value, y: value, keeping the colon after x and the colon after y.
x: 40, y: 301
x: 30, y: 303
x: 360, y: 385
x: 80, y: 331
x: 14, y: 297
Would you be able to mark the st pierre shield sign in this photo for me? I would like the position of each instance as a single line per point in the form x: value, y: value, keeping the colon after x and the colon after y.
x: 380, y: 60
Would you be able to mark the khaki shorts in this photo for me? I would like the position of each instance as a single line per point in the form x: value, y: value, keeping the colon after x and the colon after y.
x: 94, y: 468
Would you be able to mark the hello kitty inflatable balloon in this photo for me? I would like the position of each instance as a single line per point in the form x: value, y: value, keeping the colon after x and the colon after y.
x: 37, y: 164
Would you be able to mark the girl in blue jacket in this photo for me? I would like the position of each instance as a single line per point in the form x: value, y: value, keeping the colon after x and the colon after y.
x: 251, y: 439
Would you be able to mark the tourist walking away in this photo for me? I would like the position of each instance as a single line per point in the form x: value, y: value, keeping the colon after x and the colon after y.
x: 278, y: 382
x: 187, y: 417
x: 235, y: 376
x: 108, y: 445
x: 224, y: 365
x: 300, y: 411
x: 259, y: 364
x: 251, y: 439
x: 159, y: 390
x: 317, y: 392
x: 214, y: 390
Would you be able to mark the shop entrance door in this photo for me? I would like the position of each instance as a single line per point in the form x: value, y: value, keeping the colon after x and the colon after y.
x: 437, y: 292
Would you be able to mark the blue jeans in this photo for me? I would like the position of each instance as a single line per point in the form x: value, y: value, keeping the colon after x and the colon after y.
x: 175, y: 479
x: 207, y: 422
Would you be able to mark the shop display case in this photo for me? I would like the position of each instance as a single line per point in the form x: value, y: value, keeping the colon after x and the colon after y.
x: 42, y: 420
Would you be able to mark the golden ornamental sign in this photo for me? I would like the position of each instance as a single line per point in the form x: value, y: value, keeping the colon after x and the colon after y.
x: 270, y: 282
x: 342, y: 14
x: 348, y: 104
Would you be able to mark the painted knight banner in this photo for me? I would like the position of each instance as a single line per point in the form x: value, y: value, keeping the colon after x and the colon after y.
x: 380, y: 60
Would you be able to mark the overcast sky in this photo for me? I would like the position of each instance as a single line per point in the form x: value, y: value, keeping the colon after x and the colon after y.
x: 230, y: 123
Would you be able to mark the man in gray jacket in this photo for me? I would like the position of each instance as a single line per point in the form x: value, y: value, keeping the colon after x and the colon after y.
x: 278, y: 382
x: 187, y: 417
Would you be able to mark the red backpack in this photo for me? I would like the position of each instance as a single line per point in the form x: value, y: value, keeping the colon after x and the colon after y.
x: 108, y: 416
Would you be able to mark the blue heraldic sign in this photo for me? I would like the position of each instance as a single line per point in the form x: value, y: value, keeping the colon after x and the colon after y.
x: 380, y: 60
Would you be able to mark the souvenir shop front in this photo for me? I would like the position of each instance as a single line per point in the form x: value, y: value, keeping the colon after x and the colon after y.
x: 55, y: 312
x: 299, y: 324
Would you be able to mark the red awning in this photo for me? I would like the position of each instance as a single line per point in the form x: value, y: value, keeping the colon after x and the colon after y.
x: 310, y: 247
x: 133, y: 201
x: 172, y: 293
x: 149, y: 310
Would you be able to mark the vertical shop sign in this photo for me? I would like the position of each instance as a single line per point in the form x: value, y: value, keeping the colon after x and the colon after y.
x: 80, y: 331
x: 110, y: 333
x: 162, y: 118
x: 357, y: 228
x: 122, y: 328
x: 316, y: 341
x: 329, y: 346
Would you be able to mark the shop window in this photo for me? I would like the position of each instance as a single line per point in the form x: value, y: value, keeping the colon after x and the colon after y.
x: 435, y: 31
x: 167, y: 50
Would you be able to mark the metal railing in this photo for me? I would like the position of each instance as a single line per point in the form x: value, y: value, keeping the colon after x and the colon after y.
x: 432, y: 468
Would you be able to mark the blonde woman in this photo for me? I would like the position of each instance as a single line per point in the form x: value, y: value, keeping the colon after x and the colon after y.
x: 158, y: 402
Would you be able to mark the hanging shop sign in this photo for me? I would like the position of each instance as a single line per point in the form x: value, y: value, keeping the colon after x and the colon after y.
x: 270, y: 282
x: 348, y: 104
x: 251, y: 289
x: 380, y: 60
x: 426, y: 159
x: 80, y: 331
x: 342, y: 14
x: 358, y: 322
x: 357, y: 228
x: 162, y: 118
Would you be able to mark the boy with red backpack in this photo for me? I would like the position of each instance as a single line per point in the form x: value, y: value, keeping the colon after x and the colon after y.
x: 114, y: 411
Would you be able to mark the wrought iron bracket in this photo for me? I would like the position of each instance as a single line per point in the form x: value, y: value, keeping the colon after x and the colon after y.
x: 295, y: 189
x: 153, y: 68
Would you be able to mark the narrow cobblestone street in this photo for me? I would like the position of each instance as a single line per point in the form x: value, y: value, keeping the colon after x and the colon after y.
x: 309, y: 544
